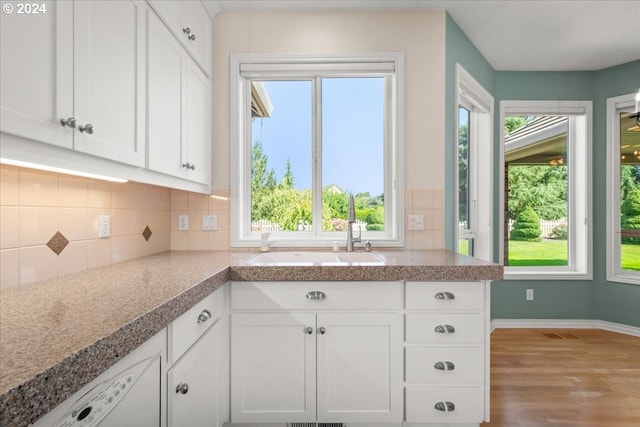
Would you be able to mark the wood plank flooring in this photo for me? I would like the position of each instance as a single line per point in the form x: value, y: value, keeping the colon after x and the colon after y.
x: 564, y: 377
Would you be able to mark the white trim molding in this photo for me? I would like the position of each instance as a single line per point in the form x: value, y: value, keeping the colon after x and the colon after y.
x: 565, y: 324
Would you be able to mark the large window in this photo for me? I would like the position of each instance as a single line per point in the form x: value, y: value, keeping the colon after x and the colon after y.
x: 623, y: 175
x: 546, y: 155
x: 307, y: 133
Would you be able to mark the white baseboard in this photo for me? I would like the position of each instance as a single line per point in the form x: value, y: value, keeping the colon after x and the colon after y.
x: 565, y: 324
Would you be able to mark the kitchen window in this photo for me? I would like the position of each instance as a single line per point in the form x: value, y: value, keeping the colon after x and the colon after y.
x: 307, y: 131
x: 623, y: 189
x: 546, y: 198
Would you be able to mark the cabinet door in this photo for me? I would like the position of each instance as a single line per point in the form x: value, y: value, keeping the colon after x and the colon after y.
x: 165, y: 69
x: 171, y: 13
x: 196, y: 18
x: 109, y: 89
x: 273, y: 368
x: 197, y: 120
x: 36, y: 77
x: 194, y: 392
x: 360, y: 368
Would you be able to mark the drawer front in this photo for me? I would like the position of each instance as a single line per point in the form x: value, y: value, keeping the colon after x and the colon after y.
x: 186, y: 329
x: 444, y: 328
x: 316, y: 295
x: 468, y: 404
x: 444, y: 296
x: 444, y: 365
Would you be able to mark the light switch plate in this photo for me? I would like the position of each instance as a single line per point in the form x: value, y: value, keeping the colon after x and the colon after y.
x: 209, y: 222
x: 416, y: 223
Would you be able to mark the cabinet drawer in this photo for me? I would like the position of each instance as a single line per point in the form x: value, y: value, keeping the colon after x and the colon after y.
x: 444, y: 296
x: 187, y: 328
x: 316, y: 295
x: 444, y: 365
x: 468, y: 404
x: 456, y: 328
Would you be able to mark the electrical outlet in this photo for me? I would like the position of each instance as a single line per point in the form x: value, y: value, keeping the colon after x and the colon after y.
x: 529, y: 294
x: 209, y: 222
x: 183, y: 222
x: 104, y: 226
x: 416, y: 222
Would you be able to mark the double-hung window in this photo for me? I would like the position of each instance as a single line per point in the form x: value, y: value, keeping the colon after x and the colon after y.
x: 623, y: 192
x: 308, y: 131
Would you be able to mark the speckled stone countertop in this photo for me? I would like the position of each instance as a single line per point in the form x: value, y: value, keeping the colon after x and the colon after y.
x: 59, y: 334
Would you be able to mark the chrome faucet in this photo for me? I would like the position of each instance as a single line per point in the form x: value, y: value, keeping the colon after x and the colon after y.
x: 351, y: 220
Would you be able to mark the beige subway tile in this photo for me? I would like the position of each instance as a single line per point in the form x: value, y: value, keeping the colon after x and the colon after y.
x: 219, y: 200
x: 421, y: 240
x: 9, y: 268
x: 10, y: 227
x: 160, y: 242
x: 159, y: 220
x: 195, y: 220
x: 438, y: 199
x: 223, y: 220
x: 73, y: 258
x: 37, y: 263
x: 159, y: 198
x: 139, y: 220
x: 99, y: 194
x: 72, y: 223
x: 38, y: 188
x: 120, y: 249
x: 9, y: 185
x: 438, y: 219
x: 218, y: 240
x: 72, y: 191
x: 179, y: 200
x: 198, y: 240
x: 179, y: 240
x: 408, y: 199
x: 139, y: 197
x: 99, y: 252
x: 37, y: 225
x: 408, y: 240
x: 139, y: 246
x: 120, y: 222
x: 438, y: 239
x: 422, y: 199
x: 197, y: 202
x: 121, y: 195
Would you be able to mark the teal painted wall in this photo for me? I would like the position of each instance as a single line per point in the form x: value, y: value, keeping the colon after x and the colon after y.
x: 557, y: 299
x: 459, y: 49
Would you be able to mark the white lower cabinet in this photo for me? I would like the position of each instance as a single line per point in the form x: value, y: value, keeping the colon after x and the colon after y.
x: 315, y: 362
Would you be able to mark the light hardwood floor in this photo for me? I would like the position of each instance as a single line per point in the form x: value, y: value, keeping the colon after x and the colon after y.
x: 564, y: 377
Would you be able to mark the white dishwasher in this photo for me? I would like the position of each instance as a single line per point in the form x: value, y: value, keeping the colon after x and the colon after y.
x: 126, y: 395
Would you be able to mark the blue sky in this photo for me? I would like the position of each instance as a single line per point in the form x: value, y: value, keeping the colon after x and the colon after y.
x: 352, y: 129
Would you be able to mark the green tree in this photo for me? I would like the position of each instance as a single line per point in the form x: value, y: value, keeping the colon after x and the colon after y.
x: 287, y: 179
x: 512, y: 123
x: 631, y: 216
x: 262, y: 179
x: 629, y: 180
x: 542, y: 187
x: 527, y: 226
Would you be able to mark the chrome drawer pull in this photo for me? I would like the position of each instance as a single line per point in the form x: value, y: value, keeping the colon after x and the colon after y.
x: 445, y: 406
x: 444, y: 295
x: 316, y: 295
x: 204, y: 316
x: 445, y: 366
x: 444, y: 329
x: 308, y: 330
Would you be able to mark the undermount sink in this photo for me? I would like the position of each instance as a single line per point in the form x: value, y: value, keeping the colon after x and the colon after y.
x: 316, y: 258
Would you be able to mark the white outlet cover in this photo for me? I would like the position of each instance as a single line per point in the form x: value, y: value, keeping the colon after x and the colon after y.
x: 183, y: 222
x: 416, y: 222
x: 209, y: 222
x: 104, y: 226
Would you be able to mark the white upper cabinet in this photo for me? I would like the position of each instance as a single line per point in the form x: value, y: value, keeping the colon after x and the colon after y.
x: 109, y: 79
x: 36, y: 54
x: 191, y: 24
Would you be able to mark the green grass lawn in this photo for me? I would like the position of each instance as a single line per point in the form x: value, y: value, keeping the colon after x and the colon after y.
x: 631, y: 257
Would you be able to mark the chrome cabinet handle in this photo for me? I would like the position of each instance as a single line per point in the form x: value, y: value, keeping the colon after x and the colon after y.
x: 88, y: 128
x: 182, y: 388
x: 191, y: 37
x: 70, y: 122
x: 204, y: 316
x: 445, y: 366
x: 444, y: 295
x: 322, y: 330
x: 189, y: 166
x: 186, y: 30
x: 444, y: 329
x: 316, y: 295
x: 308, y: 330
x: 445, y: 406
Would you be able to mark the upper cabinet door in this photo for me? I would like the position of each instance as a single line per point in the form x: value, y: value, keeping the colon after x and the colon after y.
x: 36, y: 53
x: 109, y: 93
x: 198, y: 124
x: 198, y: 22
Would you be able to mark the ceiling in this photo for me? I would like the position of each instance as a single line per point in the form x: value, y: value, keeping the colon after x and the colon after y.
x: 514, y: 35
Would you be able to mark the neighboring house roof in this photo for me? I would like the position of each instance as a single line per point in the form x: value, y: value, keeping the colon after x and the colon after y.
x: 542, y: 141
x: 332, y: 188
x: 260, y: 103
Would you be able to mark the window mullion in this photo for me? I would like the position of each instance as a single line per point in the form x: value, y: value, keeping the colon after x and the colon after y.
x: 316, y: 187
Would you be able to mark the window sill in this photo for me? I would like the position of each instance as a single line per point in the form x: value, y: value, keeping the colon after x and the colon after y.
x: 545, y: 274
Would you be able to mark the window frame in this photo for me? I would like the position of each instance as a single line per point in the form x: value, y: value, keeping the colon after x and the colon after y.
x: 615, y: 273
x: 312, y: 66
x: 580, y: 244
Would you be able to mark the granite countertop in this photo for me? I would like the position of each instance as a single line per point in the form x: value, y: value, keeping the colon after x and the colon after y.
x: 57, y: 335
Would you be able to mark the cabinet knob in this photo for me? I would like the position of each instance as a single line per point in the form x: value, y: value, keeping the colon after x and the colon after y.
x: 322, y: 330
x: 444, y: 295
x: 444, y: 329
x: 182, y: 388
x: 70, y: 122
x: 88, y: 128
x: 204, y: 316
x: 445, y: 366
x: 191, y: 37
x: 189, y: 166
x: 308, y: 330
x: 316, y: 295
x: 445, y: 406
x: 186, y: 30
